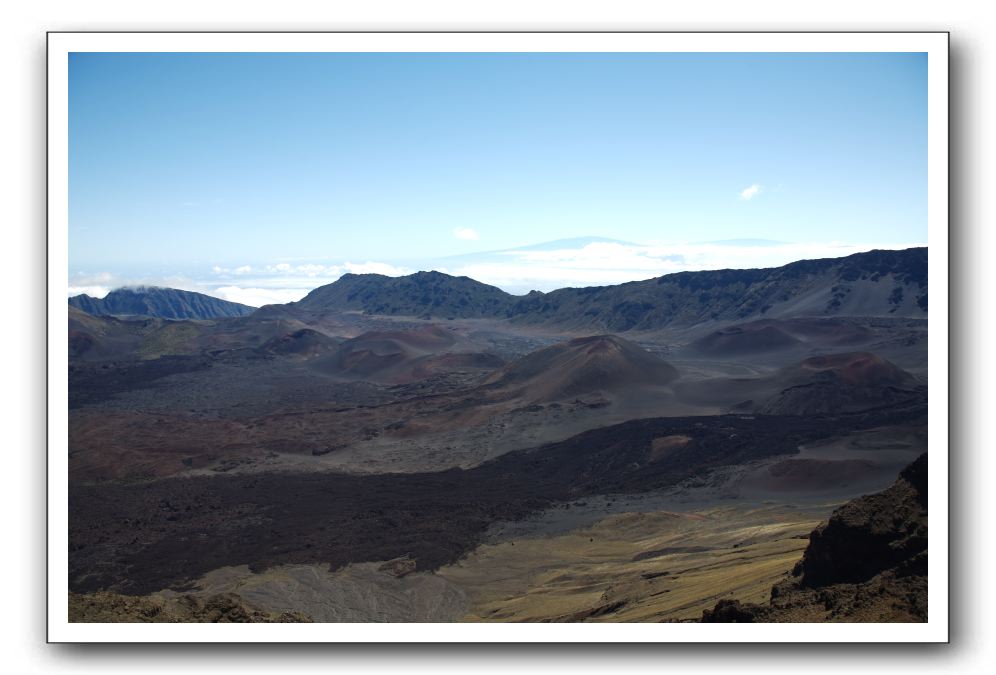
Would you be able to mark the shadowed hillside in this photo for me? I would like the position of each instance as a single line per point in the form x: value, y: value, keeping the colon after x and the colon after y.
x: 823, y: 384
x: 837, y: 382
x: 743, y: 339
x: 872, y: 284
x: 434, y: 293
x: 398, y: 357
x: 165, y: 303
x: 602, y: 363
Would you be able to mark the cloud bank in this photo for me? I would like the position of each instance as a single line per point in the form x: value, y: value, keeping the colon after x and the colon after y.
x: 285, y: 282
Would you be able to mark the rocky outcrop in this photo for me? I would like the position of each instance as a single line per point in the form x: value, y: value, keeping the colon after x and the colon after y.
x: 872, y: 534
x: 867, y: 563
x: 104, y: 607
x: 734, y: 611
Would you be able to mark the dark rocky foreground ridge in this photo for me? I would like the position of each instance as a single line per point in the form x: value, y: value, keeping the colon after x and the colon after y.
x: 874, y: 283
x: 868, y: 562
x: 165, y: 303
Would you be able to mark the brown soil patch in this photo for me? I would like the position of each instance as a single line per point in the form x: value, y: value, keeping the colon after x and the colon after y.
x: 660, y: 447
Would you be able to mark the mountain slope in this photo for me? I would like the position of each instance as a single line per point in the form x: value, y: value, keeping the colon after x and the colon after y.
x: 392, y: 357
x: 876, y: 283
x: 165, y: 303
x: 841, y: 382
x: 742, y: 339
x: 433, y: 293
x: 822, y: 384
x: 602, y: 363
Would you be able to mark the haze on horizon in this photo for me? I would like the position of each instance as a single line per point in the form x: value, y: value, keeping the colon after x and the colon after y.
x: 257, y: 177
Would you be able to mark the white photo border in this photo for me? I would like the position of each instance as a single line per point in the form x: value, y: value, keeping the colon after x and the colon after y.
x: 61, y: 44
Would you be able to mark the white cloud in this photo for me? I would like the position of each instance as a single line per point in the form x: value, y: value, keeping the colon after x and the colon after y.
x: 92, y: 291
x: 749, y: 193
x: 257, y: 297
x: 99, y: 285
x: 467, y: 233
x: 311, y: 270
x: 95, y: 285
x: 285, y: 282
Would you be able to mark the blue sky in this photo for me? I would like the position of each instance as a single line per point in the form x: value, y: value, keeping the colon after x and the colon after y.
x: 230, y: 172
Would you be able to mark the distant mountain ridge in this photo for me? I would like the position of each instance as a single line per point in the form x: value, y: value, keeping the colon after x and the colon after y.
x: 875, y: 283
x: 433, y: 293
x: 164, y: 303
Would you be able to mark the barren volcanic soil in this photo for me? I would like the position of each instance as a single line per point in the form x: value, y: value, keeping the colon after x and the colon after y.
x: 307, y: 463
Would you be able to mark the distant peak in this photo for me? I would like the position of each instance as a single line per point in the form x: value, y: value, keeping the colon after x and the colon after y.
x: 158, y: 301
